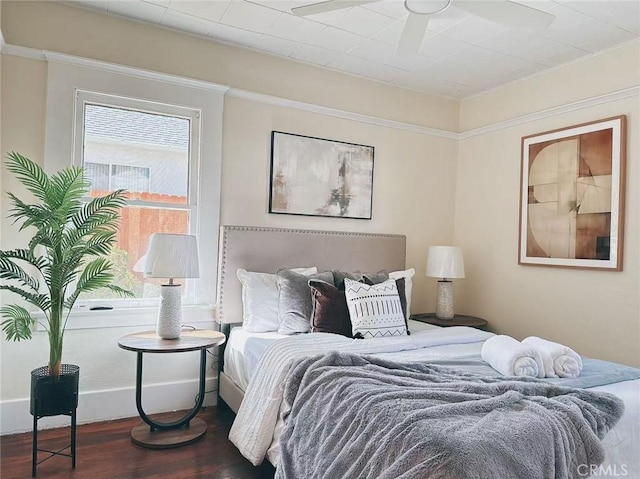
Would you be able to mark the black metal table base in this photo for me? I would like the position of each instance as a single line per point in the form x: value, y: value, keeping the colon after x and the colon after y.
x: 182, y: 423
x: 71, y: 446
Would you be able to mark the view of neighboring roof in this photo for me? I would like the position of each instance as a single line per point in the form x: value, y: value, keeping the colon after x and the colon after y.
x: 130, y: 125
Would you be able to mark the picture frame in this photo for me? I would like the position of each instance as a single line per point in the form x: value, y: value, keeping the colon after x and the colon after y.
x: 572, y: 185
x: 312, y: 176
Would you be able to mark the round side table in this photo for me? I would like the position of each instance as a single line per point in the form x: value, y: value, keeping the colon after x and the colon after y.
x: 187, y: 429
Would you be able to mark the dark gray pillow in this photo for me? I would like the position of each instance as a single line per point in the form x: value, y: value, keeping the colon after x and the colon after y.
x: 294, y: 300
x: 373, y: 278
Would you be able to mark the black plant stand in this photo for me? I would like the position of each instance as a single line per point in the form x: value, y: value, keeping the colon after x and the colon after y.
x: 54, y: 396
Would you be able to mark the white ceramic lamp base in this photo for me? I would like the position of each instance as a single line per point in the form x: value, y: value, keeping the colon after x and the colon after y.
x: 170, y: 314
x: 444, y: 307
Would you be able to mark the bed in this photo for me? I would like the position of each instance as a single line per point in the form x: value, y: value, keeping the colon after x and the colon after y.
x: 269, y: 355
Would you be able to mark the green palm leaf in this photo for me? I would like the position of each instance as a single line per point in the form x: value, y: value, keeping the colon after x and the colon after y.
x: 108, y: 205
x: 74, y: 237
x: 33, y: 215
x: 42, y: 301
x: 41, y: 237
x: 31, y: 176
x: 25, y: 255
x: 9, y: 270
x: 17, y: 322
x: 69, y: 186
x: 100, y: 243
x: 95, y: 275
x: 119, y: 290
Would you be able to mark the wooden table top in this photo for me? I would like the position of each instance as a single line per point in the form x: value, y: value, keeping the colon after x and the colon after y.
x: 189, y: 340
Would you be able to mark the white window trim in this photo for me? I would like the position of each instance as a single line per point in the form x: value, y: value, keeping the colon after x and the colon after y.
x: 191, y: 294
x: 197, y: 316
x: 64, y: 80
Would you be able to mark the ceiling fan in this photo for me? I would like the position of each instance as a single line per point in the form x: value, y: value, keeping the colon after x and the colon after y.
x: 505, y: 12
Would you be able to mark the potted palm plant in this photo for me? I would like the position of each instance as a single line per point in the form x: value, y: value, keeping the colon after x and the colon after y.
x: 65, y: 257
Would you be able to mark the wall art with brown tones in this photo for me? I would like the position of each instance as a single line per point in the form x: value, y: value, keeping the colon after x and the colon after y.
x: 572, y: 196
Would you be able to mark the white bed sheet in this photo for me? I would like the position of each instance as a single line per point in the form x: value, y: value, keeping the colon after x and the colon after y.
x: 622, y: 443
x: 239, y: 362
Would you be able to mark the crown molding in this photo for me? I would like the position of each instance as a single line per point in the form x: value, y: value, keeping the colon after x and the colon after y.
x: 23, y: 52
x: 135, y: 72
x: 550, y: 112
x: 35, y: 54
x: 336, y: 113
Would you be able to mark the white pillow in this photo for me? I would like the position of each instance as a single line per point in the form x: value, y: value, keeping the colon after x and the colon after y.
x: 407, y: 275
x: 260, y: 299
x: 375, y: 311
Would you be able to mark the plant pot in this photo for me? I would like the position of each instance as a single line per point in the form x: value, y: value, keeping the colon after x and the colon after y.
x: 53, y: 395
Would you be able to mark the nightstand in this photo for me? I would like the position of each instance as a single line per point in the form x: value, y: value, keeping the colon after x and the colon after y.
x: 458, y: 320
x: 189, y: 428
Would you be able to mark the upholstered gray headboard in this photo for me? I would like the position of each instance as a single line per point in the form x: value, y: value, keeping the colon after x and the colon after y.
x: 267, y: 250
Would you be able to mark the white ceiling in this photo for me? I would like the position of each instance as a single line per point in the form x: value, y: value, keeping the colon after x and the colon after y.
x: 462, y: 54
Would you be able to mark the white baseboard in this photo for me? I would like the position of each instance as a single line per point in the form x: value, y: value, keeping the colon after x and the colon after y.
x: 105, y: 405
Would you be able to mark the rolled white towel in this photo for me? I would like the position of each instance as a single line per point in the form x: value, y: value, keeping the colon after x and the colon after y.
x: 510, y: 357
x: 558, y: 360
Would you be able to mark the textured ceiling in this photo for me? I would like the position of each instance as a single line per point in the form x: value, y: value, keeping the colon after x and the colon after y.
x: 461, y: 55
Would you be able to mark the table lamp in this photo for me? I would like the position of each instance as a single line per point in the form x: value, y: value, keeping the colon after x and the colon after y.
x: 445, y: 262
x: 171, y: 256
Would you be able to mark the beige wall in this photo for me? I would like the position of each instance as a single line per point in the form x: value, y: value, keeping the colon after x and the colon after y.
x: 414, y: 179
x: 414, y: 174
x: 595, y: 312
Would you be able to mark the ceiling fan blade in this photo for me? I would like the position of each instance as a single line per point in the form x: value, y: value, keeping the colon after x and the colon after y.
x: 505, y: 12
x: 328, y: 6
x: 412, y: 34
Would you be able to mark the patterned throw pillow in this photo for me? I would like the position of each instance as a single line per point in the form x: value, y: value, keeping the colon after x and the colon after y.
x: 375, y: 310
x: 371, y: 278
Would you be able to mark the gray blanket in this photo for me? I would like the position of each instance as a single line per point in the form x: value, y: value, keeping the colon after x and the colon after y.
x: 362, y: 417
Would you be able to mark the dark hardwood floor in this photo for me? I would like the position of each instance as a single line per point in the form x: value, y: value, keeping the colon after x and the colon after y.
x: 105, y: 451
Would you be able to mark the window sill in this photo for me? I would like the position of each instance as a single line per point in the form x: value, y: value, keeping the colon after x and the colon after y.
x: 198, y: 316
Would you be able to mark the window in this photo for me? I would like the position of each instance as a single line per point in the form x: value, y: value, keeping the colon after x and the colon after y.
x: 142, y: 133
x: 147, y: 149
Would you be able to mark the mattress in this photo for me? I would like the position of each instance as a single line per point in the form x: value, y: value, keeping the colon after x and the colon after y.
x: 243, y: 350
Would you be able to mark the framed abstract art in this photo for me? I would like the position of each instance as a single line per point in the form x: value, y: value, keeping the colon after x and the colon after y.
x: 318, y: 177
x: 572, y: 196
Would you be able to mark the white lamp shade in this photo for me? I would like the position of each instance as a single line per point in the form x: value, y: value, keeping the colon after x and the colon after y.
x: 172, y: 256
x: 445, y: 262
